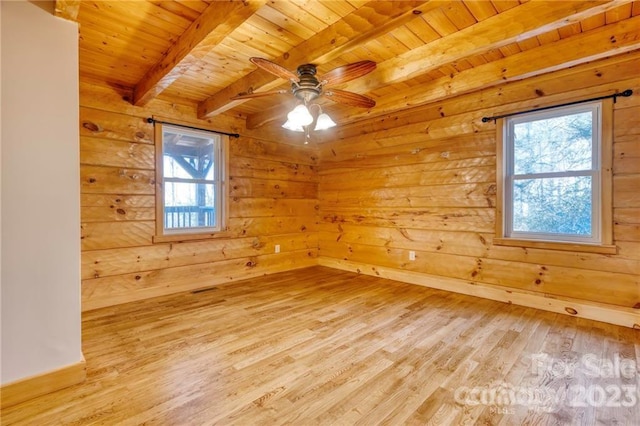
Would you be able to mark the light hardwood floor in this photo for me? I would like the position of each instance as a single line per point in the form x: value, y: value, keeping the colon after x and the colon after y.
x: 324, y: 346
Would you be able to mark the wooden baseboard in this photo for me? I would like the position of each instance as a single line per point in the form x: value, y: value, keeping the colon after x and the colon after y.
x: 30, y: 387
x: 618, y: 315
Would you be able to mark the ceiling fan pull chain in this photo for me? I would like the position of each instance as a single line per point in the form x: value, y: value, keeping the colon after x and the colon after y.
x: 307, y: 137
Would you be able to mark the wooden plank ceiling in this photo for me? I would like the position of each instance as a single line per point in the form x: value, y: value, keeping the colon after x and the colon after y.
x: 198, y: 51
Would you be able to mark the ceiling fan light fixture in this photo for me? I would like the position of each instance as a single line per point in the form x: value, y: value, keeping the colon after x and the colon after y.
x: 300, y: 116
x: 306, y: 88
x: 289, y: 125
x: 324, y: 122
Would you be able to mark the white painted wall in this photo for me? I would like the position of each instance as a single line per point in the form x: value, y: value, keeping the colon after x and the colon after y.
x: 40, y: 192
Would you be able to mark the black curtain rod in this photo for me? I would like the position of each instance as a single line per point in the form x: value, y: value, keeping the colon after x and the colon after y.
x: 624, y: 94
x: 232, y: 135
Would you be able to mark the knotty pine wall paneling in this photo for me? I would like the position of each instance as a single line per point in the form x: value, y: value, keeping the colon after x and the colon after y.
x: 425, y: 180
x: 272, y: 200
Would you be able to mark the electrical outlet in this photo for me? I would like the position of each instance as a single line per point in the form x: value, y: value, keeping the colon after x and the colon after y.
x: 412, y: 255
x: 277, y: 248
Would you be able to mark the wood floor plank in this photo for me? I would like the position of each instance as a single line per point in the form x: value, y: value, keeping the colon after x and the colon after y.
x: 320, y: 346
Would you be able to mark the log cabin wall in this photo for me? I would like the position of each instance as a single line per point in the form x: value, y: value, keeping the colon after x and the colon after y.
x: 422, y: 180
x: 272, y: 200
x: 425, y: 180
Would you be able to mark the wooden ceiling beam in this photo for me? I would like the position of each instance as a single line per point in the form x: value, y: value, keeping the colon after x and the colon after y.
x: 600, y: 43
x: 67, y: 9
x: 597, y: 78
x: 519, y: 23
x: 359, y: 27
x: 215, y: 23
x: 259, y: 119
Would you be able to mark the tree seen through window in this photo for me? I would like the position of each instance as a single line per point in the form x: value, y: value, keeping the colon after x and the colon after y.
x: 552, y: 174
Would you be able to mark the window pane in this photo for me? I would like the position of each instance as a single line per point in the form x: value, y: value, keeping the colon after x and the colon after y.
x: 554, y: 144
x: 187, y: 156
x: 173, y: 169
x: 553, y: 205
x: 188, y: 205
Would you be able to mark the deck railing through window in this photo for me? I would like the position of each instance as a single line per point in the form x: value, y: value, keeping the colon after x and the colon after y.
x: 188, y: 217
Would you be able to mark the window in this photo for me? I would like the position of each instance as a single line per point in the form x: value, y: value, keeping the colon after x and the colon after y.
x: 556, y: 183
x: 191, y: 197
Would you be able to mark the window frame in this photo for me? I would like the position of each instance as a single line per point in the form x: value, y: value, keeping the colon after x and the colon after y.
x: 221, y: 191
x: 601, y: 184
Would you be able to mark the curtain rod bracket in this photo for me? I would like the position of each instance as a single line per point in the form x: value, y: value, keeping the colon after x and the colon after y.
x: 624, y: 94
x: 152, y: 120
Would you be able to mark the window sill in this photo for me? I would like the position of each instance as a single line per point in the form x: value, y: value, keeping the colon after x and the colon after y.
x: 553, y: 245
x: 178, y: 238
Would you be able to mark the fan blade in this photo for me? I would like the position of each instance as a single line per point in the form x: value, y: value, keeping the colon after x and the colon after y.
x: 258, y: 94
x: 348, y: 72
x: 274, y: 69
x: 350, y: 98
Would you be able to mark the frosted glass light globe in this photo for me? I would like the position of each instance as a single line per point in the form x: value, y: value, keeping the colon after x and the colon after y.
x: 300, y: 116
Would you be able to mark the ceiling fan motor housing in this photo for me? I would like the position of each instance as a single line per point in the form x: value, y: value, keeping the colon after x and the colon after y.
x: 308, y: 88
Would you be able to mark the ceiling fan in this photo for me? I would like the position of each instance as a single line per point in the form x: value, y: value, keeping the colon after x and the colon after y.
x: 307, y: 87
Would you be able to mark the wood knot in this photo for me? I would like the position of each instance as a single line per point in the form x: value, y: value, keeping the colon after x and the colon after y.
x: 571, y: 311
x: 121, y: 211
x: 92, y: 127
x: 141, y: 135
